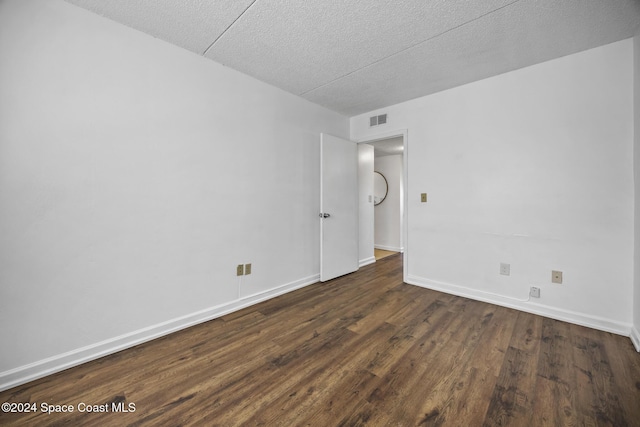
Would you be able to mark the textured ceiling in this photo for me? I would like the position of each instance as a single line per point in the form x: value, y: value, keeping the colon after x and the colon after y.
x: 359, y: 55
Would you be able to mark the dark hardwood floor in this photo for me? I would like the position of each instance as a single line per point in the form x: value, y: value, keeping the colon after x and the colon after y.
x: 364, y: 349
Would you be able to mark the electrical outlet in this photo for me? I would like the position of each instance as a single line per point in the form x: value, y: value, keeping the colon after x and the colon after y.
x: 505, y: 269
x: 423, y: 197
x: 534, y: 292
x: 247, y: 269
x: 556, y: 276
x: 240, y: 270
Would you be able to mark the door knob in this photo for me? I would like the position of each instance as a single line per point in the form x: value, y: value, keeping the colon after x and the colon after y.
x: 324, y: 215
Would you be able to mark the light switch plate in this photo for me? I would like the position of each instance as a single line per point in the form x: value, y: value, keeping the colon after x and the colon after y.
x: 505, y: 269
x: 423, y: 197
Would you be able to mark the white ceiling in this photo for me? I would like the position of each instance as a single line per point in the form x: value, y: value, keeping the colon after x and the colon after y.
x: 354, y: 56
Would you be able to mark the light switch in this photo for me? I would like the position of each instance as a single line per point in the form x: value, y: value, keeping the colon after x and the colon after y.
x: 423, y: 197
x: 505, y: 269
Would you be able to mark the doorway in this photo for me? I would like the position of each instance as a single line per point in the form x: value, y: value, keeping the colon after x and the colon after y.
x: 389, y: 210
x: 388, y: 189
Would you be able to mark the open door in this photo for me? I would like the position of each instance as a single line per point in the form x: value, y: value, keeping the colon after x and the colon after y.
x: 338, y: 207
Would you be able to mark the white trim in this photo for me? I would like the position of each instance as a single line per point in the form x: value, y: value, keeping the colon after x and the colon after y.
x: 57, y: 363
x: 635, y: 338
x: 583, y: 319
x: 388, y: 248
x: 367, y: 261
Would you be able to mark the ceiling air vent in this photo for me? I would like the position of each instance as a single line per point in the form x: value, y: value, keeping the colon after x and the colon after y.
x: 377, y: 120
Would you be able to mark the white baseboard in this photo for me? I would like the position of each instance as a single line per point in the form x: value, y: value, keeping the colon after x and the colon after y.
x: 57, y: 363
x: 583, y: 319
x: 635, y: 338
x: 389, y: 248
x: 367, y: 261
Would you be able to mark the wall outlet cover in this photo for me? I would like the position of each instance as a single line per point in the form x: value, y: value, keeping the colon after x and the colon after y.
x: 534, y: 292
x: 240, y: 270
x: 556, y: 276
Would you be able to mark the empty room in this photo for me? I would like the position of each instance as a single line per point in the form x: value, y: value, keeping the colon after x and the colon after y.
x: 192, y: 219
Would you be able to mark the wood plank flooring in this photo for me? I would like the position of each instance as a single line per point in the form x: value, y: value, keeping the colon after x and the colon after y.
x: 364, y: 349
x: 381, y: 253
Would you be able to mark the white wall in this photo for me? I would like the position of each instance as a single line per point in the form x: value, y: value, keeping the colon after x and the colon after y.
x: 134, y: 176
x: 635, y: 335
x: 365, y: 194
x: 532, y: 168
x: 388, y: 228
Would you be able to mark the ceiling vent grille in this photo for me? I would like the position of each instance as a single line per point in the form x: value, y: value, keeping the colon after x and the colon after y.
x: 377, y: 120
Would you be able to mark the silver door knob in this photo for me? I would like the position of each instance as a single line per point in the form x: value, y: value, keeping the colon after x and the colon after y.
x: 324, y: 215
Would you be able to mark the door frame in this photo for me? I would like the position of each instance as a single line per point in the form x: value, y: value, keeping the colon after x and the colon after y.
x: 404, y: 133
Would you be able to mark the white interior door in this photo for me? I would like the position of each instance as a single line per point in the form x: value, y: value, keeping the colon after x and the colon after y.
x: 338, y: 207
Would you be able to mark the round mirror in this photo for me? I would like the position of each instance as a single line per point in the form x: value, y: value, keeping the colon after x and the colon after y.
x: 380, y: 188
